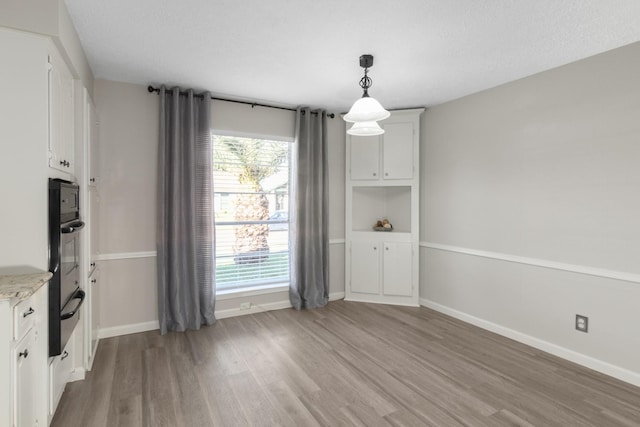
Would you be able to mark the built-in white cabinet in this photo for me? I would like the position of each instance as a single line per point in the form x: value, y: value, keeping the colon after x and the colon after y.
x: 60, y: 369
x: 23, y: 360
x: 92, y: 141
x: 94, y: 284
x: 391, y: 156
x: 61, y: 115
x: 383, y: 182
x: 90, y: 199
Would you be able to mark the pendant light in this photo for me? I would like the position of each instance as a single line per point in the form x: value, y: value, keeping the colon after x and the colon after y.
x: 366, y: 109
x: 365, y: 129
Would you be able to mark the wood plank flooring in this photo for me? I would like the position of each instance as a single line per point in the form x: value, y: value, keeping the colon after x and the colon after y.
x: 349, y: 364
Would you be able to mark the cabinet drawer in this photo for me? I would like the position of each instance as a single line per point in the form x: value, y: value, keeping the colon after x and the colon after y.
x: 23, y: 318
x: 60, y: 371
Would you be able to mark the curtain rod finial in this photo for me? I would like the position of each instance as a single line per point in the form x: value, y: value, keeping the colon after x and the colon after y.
x: 151, y: 89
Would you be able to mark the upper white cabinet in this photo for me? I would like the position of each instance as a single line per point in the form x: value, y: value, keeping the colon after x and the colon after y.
x: 61, y: 114
x: 399, y: 148
x: 391, y: 156
x: 383, y: 182
x: 365, y: 157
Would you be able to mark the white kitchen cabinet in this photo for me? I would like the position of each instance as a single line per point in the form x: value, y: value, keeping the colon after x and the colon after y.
x: 92, y: 141
x: 61, y: 115
x: 94, y: 303
x: 23, y: 359
x: 60, y: 370
x: 383, y: 182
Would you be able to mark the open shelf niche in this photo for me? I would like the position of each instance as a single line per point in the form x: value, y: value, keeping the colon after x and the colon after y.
x: 371, y: 204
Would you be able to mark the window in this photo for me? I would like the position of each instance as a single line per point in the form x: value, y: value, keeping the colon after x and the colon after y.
x: 251, y: 204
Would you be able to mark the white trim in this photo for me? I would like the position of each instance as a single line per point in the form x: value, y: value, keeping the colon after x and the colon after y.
x: 591, y: 271
x: 150, y: 254
x: 221, y: 314
x: 77, y: 374
x: 257, y: 308
x: 126, y: 255
x: 573, y: 356
x: 133, y: 328
x: 334, y: 296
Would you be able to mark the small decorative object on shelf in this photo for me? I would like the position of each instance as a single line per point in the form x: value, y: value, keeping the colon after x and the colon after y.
x: 383, y: 225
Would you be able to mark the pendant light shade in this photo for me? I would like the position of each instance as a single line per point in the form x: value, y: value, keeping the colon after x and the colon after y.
x: 366, y: 109
x: 365, y: 129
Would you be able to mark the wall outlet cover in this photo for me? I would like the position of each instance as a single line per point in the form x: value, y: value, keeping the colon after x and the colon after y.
x: 582, y: 323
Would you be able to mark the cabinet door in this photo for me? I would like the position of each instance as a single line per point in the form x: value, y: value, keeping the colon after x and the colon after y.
x: 397, y: 269
x: 95, y: 310
x: 365, y: 157
x: 93, y: 141
x: 397, y: 151
x: 25, y: 369
x: 365, y: 272
x: 60, y: 371
x: 61, y: 141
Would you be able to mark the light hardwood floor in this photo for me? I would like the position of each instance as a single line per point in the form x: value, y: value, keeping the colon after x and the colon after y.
x: 347, y: 364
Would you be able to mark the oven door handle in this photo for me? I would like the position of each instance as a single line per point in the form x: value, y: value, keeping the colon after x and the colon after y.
x: 73, y: 227
x: 78, y: 295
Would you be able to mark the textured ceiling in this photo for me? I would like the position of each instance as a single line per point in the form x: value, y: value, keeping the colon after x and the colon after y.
x: 305, y: 52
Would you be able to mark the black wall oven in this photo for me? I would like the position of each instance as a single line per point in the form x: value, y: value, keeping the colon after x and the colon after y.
x: 65, y: 295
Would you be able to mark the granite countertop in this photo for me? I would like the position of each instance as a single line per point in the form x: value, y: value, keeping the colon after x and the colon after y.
x: 22, y: 286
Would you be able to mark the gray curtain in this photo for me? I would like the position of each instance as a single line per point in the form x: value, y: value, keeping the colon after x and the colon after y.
x: 185, y: 228
x: 309, y: 286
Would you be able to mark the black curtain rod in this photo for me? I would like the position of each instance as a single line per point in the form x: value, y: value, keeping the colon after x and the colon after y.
x: 152, y: 89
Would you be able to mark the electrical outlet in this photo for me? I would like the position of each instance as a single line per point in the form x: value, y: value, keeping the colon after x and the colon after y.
x: 245, y: 305
x: 582, y: 323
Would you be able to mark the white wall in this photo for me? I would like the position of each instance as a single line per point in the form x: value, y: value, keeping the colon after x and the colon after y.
x: 128, y: 165
x: 544, y: 172
x: 50, y: 18
x: 24, y: 152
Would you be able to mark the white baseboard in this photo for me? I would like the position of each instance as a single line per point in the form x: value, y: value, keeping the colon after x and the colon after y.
x: 334, y: 296
x: 570, y: 355
x: 220, y: 314
x: 259, y: 308
x: 77, y: 374
x: 134, y: 328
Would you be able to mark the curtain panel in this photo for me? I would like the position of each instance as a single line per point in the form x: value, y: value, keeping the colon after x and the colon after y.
x: 185, y: 226
x: 309, y: 235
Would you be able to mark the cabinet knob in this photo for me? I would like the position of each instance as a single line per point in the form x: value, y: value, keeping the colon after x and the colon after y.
x: 62, y: 162
x: 93, y: 280
x: 93, y: 264
x: 64, y: 355
x: 28, y: 312
x: 387, y: 248
x: 386, y: 174
x: 375, y: 248
x: 375, y: 174
x: 24, y: 353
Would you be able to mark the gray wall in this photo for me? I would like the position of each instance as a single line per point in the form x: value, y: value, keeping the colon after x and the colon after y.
x: 527, y: 183
x: 128, y: 155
